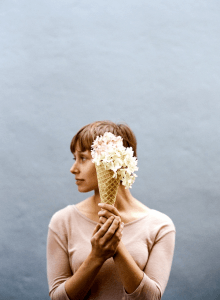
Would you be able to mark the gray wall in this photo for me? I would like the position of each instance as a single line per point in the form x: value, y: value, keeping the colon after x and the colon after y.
x: 153, y: 64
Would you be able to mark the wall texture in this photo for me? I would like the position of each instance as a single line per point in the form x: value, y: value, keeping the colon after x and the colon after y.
x: 152, y: 64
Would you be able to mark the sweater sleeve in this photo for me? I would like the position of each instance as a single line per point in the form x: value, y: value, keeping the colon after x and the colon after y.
x: 157, y: 270
x: 58, y: 268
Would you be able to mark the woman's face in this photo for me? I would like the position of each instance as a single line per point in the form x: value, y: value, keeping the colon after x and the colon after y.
x: 84, y: 171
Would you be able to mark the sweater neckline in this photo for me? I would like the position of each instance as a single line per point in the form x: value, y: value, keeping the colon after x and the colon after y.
x: 94, y: 222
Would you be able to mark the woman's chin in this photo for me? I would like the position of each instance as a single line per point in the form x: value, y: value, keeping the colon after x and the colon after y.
x: 84, y: 189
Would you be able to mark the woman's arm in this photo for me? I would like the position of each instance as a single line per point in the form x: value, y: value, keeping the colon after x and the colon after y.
x: 149, y: 284
x: 64, y: 285
x: 80, y: 283
x: 130, y: 274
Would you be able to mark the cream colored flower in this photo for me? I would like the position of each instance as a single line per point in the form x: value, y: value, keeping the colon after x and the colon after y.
x: 109, y: 151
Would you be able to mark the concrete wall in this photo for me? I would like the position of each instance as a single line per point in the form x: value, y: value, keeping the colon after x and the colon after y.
x: 153, y: 64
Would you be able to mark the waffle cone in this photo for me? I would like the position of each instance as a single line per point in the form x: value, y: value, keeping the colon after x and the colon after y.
x: 108, y: 186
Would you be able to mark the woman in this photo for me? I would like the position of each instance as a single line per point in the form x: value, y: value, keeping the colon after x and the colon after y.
x: 99, y: 251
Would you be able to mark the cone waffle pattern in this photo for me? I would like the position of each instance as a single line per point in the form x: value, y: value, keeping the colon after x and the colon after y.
x: 108, y: 186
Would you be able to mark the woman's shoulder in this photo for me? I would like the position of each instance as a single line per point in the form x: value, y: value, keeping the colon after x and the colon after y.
x: 61, y: 218
x: 62, y: 213
x: 160, y: 216
x: 160, y: 221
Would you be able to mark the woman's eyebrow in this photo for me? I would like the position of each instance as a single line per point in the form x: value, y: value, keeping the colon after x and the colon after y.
x: 79, y: 151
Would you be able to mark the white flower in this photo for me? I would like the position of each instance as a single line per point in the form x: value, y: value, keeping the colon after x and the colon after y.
x: 109, y: 151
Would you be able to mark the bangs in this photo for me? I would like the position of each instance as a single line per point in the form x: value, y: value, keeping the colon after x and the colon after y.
x: 87, y: 134
x: 83, y: 139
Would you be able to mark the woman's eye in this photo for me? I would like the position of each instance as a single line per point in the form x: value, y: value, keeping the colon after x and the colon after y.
x: 83, y: 158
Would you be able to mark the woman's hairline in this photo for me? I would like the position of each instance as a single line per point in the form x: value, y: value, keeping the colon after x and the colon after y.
x: 85, y: 142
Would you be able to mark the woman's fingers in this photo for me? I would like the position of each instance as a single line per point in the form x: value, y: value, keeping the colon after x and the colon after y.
x: 104, y: 228
x: 105, y: 213
x: 120, y: 230
x: 106, y: 237
x: 102, y: 220
x: 108, y: 229
x: 98, y: 226
x: 109, y: 208
x: 112, y: 229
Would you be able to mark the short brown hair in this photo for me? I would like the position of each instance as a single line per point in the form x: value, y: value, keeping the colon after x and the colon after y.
x: 87, y: 134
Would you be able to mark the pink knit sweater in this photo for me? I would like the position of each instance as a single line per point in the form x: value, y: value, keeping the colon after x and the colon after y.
x: 150, y: 241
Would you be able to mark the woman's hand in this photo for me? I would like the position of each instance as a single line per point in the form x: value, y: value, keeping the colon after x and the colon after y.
x: 106, y: 212
x: 105, y: 239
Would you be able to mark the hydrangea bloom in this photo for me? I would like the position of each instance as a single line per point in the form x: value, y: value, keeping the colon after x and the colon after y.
x: 109, y: 151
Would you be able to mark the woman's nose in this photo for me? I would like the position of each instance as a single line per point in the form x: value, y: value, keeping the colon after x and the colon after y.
x: 74, y: 169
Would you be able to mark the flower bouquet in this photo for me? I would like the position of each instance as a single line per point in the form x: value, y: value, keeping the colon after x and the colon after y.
x: 114, y: 163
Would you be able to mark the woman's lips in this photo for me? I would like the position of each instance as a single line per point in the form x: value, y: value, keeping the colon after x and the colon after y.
x: 78, y: 181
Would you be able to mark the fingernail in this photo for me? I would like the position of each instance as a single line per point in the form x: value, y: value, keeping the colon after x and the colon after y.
x: 100, y: 204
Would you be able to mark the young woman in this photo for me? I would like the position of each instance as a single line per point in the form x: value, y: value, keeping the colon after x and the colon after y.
x: 104, y: 252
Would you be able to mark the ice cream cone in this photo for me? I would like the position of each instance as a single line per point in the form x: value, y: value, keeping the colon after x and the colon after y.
x: 108, y: 186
